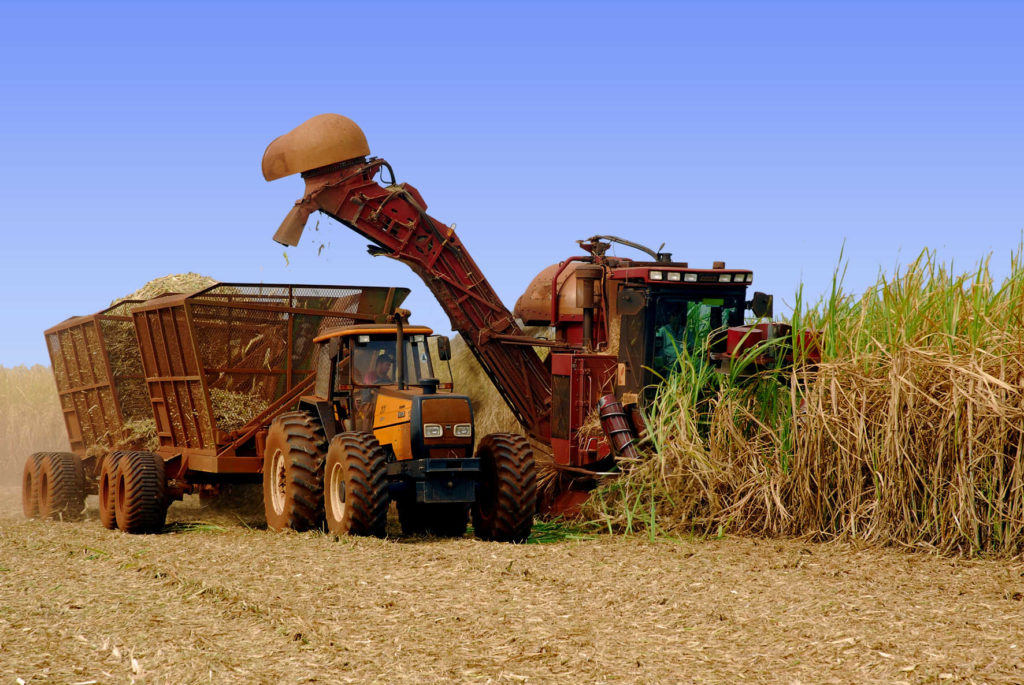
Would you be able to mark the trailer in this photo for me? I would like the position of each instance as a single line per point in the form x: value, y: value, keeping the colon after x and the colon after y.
x: 174, y: 395
x: 98, y: 372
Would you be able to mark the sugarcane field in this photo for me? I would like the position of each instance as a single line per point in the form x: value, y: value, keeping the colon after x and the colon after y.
x: 512, y: 342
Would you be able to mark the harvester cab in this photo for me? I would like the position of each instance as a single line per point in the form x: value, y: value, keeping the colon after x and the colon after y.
x: 644, y: 314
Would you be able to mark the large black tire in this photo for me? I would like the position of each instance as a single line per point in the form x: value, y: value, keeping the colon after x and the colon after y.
x: 355, y: 486
x: 293, y: 472
x: 29, y: 483
x: 106, y: 489
x: 60, y: 488
x: 507, y: 496
x: 140, y: 493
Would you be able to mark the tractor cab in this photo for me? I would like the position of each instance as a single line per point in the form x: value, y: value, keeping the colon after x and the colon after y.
x: 369, y: 357
x: 379, y: 379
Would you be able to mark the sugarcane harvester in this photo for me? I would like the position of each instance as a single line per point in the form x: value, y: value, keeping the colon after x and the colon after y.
x: 618, y: 323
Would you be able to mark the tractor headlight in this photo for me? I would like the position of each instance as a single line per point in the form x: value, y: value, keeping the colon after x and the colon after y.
x: 672, y: 275
x: 656, y: 275
x: 463, y: 430
x: 725, y: 278
x: 690, y: 278
x: 750, y: 278
x: 432, y: 430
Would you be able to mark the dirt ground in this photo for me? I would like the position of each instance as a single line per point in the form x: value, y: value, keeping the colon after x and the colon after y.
x: 229, y: 603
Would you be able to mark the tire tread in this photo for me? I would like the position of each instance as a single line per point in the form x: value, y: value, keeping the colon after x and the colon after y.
x: 505, y: 505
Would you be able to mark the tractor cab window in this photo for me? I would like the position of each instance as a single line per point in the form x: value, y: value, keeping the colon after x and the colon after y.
x: 417, y: 359
x: 685, y: 324
x: 373, y: 361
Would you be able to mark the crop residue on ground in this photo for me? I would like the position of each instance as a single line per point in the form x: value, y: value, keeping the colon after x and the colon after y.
x: 226, y: 603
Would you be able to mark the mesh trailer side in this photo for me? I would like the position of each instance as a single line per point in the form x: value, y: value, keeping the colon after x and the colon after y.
x: 97, y: 370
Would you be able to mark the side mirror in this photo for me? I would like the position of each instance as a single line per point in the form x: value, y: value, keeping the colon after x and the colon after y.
x: 444, y: 347
x: 761, y: 305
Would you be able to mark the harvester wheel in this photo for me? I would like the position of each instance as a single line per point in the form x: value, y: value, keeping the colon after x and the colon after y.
x: 106, y: 487
x: 140, y: 493
x: 60, y: 488
x: 355, y: 488
x: 29, y: 480
x: 446, y: 520
x: 507, y: 495
x: 293, y: 472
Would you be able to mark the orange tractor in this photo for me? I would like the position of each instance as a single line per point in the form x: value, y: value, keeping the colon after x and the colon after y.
x: 617, y: 322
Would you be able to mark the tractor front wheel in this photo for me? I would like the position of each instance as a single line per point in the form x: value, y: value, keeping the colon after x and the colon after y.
x: 356, y: 489
x: 293, y: 472
x: 507, y: 495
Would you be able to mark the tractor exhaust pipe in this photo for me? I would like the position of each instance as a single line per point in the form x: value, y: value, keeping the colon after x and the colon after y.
x: 401, y: 317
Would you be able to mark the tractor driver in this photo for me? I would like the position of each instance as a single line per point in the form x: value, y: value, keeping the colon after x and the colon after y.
x: 382, y: 371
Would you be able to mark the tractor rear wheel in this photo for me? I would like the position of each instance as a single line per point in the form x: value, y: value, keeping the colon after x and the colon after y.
x: 60, y: 488
x: 356, y: 488
x: 140, y: 493
x: 293, y: 472
x: 507, y: 495
x: 29, y: 480
x: 105, y: 490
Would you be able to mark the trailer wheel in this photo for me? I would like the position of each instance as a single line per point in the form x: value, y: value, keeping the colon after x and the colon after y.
x: 293, y: 472
x: 355, y: 487
x: 140, y: 493
x: 106, y: 487
x: 29, y: 480
x: 507, y: 495
x: 60, y: 488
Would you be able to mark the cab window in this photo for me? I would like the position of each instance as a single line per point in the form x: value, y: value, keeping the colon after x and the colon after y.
x: 373, y: 361
x: 685, y: 324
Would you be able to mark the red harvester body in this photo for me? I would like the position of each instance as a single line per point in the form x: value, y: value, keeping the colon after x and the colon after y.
x: 618, y: 323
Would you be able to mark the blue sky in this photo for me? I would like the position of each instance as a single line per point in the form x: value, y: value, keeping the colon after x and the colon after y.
x: 766, y: 134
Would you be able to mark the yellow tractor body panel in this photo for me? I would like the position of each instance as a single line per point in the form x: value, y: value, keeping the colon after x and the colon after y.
x: 391, y: 419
